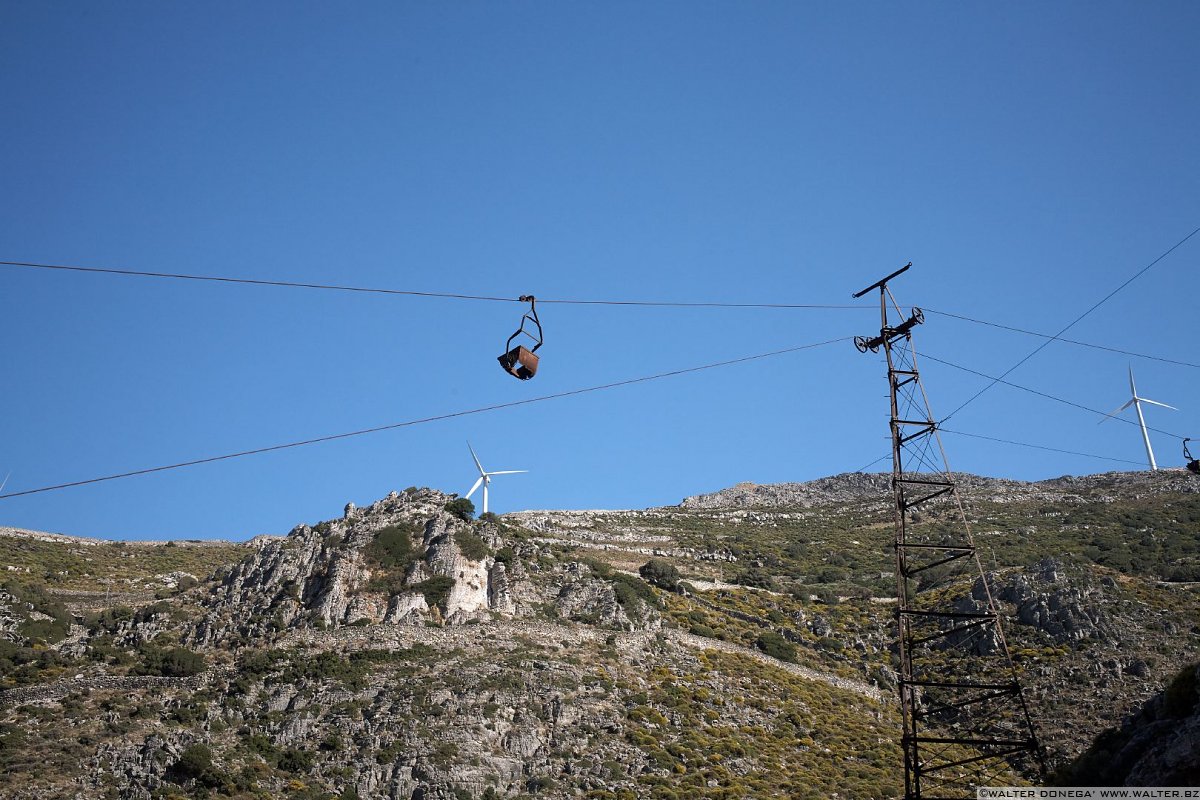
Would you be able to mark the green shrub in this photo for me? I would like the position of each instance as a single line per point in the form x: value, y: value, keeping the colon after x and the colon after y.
x: 391, y: 554
x: 259, y: 744
x: 538, y: 783
x: 189, y: 712
x: 827, y: 596
x: 24, y: 665
x: 293, y: 760
x: 259, y: 662
x: 832, y: 575
x: 756, y: 577
x: 175, y: 662
x: 43, y: 630
x: 109, y: 619
x: 435, y: 590
x: 444, y: 754
x: 776, y: 646
x: 195, y: 764
x: 38, y: 599
x: 629, y: 590
x: 599, y: 568
x: 392, y: 547
x: 389, y: 582
x: 471, y: 546
x: 462, y: 508
x: 662, y: 574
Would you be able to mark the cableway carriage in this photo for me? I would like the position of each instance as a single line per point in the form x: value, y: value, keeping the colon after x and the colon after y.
x: 519, y: 361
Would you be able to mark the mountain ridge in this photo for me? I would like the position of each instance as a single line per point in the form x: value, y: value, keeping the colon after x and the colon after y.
x: 859, y: 486
x: 404, y: 650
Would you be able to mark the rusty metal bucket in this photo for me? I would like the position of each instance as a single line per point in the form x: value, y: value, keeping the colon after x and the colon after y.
x: 519, y: 362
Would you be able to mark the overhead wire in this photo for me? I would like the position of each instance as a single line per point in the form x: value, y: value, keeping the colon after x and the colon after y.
x: 866, y: 467
x: 1046, y: 395
x: 1039, y: 446
x: 424, y: 420
x: 1060, y: 338
x: 411, y: 293
x: 1072, y: 323
x: 492, y: 298
x: 250, y: 281
x: 644, y: 303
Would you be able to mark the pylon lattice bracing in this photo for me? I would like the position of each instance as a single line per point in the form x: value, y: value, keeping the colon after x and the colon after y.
x: 966, y: 722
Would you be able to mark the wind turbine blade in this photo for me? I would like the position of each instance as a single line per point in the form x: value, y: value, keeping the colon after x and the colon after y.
x: 473, y: 488
x: 1118, y: 411
x: 5, y: 481
x: 1156, y: 403
x: 507, y: 471
x: 1132, y: 385
x: 472, y: 449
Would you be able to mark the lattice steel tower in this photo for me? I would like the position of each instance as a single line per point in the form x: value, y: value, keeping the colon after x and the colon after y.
x: 966, y: 722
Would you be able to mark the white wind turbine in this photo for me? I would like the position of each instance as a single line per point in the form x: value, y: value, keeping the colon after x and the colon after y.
x: 1136, y: 402
x: 485, y: 478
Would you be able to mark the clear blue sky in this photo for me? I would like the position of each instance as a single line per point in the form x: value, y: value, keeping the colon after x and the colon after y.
x: 1027, y: 157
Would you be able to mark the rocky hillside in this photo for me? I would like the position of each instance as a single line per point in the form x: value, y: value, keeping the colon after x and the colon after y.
x: 853, y: 487
x: 1157, y: 746
x: 736, y: 645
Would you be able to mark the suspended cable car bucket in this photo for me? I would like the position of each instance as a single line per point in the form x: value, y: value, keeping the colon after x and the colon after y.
x: 1193, y: 465
x: 520, y: 361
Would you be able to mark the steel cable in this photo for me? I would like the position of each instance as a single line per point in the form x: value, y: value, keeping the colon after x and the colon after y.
x: 410, y: 423
x: 411, y: 293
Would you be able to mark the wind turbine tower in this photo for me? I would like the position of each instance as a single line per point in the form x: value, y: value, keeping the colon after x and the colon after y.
x: 485, y: 477
x: 1136, y: 402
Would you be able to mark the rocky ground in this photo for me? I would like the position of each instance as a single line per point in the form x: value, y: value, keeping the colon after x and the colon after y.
x: 404, y: 651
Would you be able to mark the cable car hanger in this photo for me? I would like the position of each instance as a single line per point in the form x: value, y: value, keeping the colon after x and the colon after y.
x: 519, y: 361
x: 1193, y: 464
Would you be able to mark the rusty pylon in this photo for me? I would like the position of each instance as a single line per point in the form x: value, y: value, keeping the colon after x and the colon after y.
x: 966, y: 720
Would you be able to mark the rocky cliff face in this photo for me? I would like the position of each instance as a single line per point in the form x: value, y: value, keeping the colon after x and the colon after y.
x: 1048, y: 601
x: 1157, y: 746
x: 10, y: 619
x: 334, y: 575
